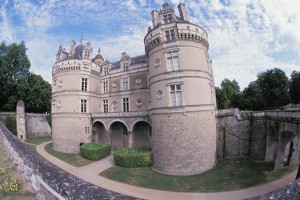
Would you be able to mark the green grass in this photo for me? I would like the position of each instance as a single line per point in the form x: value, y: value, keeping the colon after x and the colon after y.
x: 71, y: 158
x: 229, y: 174
x: 39, y: 139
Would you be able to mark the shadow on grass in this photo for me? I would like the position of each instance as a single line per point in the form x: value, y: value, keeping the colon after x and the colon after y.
x: 71, y: 158
x: 39, y: 139
x: 229, y: 174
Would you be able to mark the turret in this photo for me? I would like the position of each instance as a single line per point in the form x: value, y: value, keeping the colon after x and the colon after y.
x: 181, y: 95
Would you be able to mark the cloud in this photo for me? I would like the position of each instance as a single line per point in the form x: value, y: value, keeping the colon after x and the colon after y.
x: 6, y: 31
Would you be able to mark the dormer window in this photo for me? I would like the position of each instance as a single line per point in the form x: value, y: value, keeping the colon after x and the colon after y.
x: 125, y: 66
x: 105, y: 71
x: 168, y: 18
x: 170, y: 35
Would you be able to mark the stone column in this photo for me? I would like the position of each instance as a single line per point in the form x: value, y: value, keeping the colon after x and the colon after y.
x: 130, y: 139
x: 20, y: 118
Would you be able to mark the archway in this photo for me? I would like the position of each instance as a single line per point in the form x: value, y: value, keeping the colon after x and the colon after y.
x: 141, y: 135
x: 99, y: 132
x: 118, y: 135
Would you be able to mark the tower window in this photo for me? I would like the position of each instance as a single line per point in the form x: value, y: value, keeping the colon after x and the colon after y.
x: 170, y: 35
x: 105, y: 86
x: 105, y: 71
x: 176, y: 95
x: 125, y: 83
x: 105, y: 105
x: 125, y: 102
x: 84, y: 82
x: 83, y: 105
x: 125, y: 66
x: 168, y: 18
x: 172, y: 61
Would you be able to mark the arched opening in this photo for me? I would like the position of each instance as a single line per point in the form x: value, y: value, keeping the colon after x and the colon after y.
x: 81, y: 144
x: 288, y: 153
x: 142, y: 135
x: 118, y: 135
x: 98, y: 135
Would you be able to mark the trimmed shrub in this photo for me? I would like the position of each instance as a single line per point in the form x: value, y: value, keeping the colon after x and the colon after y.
x: 94, y: 151
x: 11, y: 124
x: 132, y: 158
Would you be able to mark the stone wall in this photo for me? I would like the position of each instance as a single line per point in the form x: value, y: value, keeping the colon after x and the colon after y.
x: 36, y: 124
x: 48, y: 180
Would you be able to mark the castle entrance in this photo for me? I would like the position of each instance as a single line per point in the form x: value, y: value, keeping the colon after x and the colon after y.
x: 142, y: 135
x: 98, y: 135
x: 118, y: 135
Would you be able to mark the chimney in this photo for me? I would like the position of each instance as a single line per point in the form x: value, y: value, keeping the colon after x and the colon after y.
x: 155, y: 18
x: 183, y: 12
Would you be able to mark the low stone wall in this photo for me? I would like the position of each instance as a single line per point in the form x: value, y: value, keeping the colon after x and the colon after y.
x: 36, y: 124
x: 48, y: 180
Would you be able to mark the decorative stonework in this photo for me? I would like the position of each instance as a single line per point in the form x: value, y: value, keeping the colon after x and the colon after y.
x: 159, y: 94
x: 60, y: 83
x: 58, y: 104
x: 138, y: 81
x: 139, y: 102
x: 114, y: 104
x: 157, y: 63
x: 114, y: 84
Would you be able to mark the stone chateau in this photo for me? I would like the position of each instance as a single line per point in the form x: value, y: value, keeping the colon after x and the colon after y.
x: 164, y: 99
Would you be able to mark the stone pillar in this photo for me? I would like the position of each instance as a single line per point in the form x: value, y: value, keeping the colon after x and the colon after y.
x: 20, y: 117
x: 130, y: 139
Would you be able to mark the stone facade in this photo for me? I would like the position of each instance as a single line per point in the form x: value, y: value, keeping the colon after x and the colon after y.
x: 141, y: 101
x: 20, y: 118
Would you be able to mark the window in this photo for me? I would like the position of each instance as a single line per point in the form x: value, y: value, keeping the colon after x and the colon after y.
x: 87, y: 129
x: 125, y: 102
x: 172, y: 61
x: 125, y: 83
x: 170, y: 35
x: 176, y: 95
x: 87, y: 55
x: 105, y: 71
x: 84, y: 82
x: 168, y: 18
x: 105, y: 105
x: 125, y: 66
x: 105, y: 86
x: 83, y: 105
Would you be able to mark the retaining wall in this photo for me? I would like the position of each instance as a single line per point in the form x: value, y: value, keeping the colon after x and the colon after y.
x: 48, y: 180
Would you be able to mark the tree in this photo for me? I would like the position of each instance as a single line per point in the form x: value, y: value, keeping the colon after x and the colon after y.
x: 253, y: 98
x: 228, y: 95
x: 16, y: 81
x: 274, y: 87
x: 294, y: 84
x: 14, y: 67
x: 38, y: 97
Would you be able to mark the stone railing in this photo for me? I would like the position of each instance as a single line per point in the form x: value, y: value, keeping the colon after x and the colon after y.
x: 48, y: 180
x: 121, y: 114
x: 284, y: 114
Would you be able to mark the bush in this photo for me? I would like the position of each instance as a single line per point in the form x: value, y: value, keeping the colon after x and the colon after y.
x: 11, y: 124
x: 132, y: 158
x: 94, y: 151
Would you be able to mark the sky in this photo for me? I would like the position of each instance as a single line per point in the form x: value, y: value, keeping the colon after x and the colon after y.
x: 245, y: 37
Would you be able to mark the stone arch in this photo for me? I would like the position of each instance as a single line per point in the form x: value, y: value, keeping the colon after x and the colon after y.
x: 285, y: 150
x: 118, y: 135
x: 141, y: 131
x: 99, y: 132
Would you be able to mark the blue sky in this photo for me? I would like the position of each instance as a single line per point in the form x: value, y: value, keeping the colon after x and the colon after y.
x: 246, y: 37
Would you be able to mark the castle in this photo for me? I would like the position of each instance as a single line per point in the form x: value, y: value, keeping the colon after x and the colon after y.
x: 164, y: 99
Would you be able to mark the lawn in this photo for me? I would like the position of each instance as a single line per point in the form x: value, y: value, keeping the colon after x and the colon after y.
x: 11, y: 185
x: 71, y: 158
x: 229, y: 174
x: 39, y: 139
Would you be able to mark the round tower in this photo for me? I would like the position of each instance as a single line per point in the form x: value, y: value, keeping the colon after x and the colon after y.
x: 75, y: 93
x: 181, y: 93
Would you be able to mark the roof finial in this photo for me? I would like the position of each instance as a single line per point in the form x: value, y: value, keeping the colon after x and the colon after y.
x: 81, y: 39
x: 99, y: 50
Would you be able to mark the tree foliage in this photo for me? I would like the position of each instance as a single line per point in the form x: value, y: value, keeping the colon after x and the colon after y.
x: 16, y: 81
x: 228, y: 95
x: 274, y: 86
x: 294, y: 84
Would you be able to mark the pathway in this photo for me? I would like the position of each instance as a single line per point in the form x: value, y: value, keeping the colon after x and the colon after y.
x: 90, y: 173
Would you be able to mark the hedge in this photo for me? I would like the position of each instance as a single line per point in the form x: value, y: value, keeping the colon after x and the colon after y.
x: 94, y: 151
x: 133, y: 158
